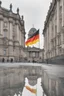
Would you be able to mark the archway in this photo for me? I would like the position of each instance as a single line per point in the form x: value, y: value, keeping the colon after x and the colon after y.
x: 7, y: 60
x: 11, y: 60
x: 3, y: 60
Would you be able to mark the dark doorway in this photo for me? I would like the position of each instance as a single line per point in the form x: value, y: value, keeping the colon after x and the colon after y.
x: 3, y: 60
x: 11, y: 60
x: 7, y: 60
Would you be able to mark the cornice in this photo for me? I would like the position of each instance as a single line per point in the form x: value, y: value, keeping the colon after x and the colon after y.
x: 9, y: 14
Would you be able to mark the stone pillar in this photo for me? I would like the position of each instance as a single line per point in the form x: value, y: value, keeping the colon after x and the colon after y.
x: 62, y: 36
x: 47, y: 40
x: 50, y: 35
x: 10, y: 48
x: 62, y: 21
x: 58, y: 23
x: 17, y: 30
x: 62, y: 12
x: 1, y: 27
x: 20, y: 37
x: 45, y: 44
x: 10, y: 28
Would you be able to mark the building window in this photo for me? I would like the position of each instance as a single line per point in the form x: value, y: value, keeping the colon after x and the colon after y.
x: 5, y: 24
x: 4, y: 51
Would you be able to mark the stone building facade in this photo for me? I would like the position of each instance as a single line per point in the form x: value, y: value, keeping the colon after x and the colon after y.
x: 34, y: 54
x: 54, y: 33
x: 12, y: 38
x: 12, y: 35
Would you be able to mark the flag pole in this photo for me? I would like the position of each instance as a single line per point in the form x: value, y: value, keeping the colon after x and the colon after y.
x: 39, y: 38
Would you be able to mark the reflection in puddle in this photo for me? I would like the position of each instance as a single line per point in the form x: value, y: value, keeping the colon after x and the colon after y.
x: 35, y: 90
x: 30, y: 90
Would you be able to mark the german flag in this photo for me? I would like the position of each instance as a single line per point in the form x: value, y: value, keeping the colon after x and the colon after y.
x: 33, y: 39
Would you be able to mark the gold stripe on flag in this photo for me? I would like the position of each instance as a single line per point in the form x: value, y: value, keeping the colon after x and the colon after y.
x: 31, y: 89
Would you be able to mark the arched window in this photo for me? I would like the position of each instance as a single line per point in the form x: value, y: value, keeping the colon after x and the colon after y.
x: 4, y: 51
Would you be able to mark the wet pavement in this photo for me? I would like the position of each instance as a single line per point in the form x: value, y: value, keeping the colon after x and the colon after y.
x: 54, y: 72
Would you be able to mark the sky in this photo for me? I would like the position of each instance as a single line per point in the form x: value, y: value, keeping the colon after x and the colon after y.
x: 34, y: 12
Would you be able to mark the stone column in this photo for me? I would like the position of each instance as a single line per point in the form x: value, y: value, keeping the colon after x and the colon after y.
x: 20, y: 37
x: 58, y: 23
x: 23, y: 39
x: 50, y: 37
x: 10, y: 28
x: 47, y: 40
x: 17, y: 30
x: 46, y: 36
x: 10, y: 48
x: 62, y: 21
x: 62, y: 12
x: 17, y: 41
x: 1, y: 25
x: 62, y: 36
